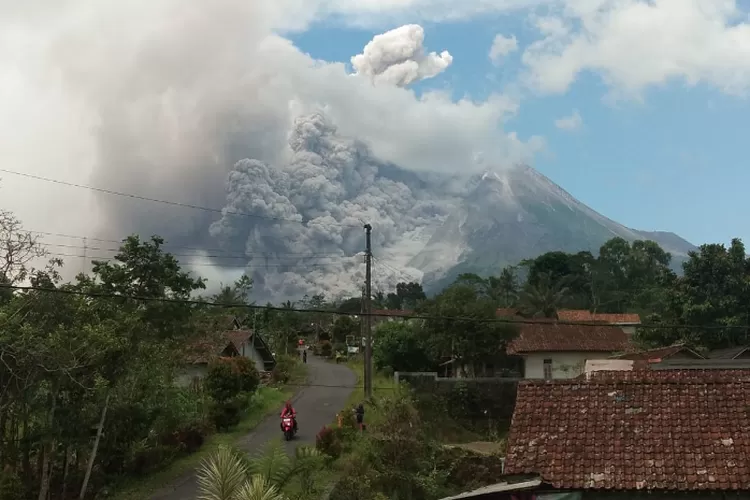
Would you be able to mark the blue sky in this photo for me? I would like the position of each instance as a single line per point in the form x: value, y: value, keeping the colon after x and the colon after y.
x: 671, y: 159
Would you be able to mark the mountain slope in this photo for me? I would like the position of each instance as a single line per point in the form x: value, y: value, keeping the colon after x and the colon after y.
x: 517, y: 214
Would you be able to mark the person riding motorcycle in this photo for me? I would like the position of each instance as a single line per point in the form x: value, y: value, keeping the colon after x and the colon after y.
x: 289, y: 411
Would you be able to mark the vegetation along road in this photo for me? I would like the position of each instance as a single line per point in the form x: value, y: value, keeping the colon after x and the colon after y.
x: 316, y: 405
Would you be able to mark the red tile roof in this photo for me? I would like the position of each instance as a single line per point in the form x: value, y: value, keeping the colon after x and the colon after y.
x: 391, y: 312
x: 238, y: 337
x: 659, y: 353
x: 634, y: 430
x: 551, y: 337
x: 581, y: 315
x: 507, y: 312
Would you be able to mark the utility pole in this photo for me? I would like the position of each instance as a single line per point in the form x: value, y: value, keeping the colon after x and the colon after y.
x: 368, y: 311
x: 85, y: 257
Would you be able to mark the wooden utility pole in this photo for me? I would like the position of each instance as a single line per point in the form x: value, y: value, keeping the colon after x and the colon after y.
x: 368, y: 311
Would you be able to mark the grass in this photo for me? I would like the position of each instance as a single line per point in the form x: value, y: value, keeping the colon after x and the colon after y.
x: 266, y: 401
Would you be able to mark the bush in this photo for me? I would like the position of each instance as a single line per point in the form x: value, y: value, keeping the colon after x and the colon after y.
x: 228, y: 377
x: 227, y: 414
x: 325, y: 348
x: 11, y: 486
x: 328, y: 441
x: 284, y: 368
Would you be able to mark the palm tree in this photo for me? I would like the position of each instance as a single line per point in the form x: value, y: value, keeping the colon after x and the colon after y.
x: 228, y: 475
x: 544, y: 298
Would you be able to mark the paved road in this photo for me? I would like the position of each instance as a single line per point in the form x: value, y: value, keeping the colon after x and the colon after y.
x: 316, y: 406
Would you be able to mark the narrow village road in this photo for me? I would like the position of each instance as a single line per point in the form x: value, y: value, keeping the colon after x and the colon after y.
x: 316, y: 406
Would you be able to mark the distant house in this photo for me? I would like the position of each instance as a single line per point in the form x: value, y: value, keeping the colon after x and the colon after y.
x: 230, y: 343
x: 389, y: 315
x: 740, y: 352
x: 558, y: 351
x: 656, y: 434
x: 677, y: 351
x: 627, y: 321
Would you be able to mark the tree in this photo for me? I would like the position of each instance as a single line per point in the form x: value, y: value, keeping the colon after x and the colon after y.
x: 238, y: 293
x: 226, y: 475
x: 507, y: 286
x: 473, y: 341
x: 407, y: 296
x: 402, y: 346
x: 18, y: 248
x: 544, y: 297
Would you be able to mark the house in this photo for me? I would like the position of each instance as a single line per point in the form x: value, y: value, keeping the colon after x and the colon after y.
x: 656, y: 434
x: 552, y: 350
x: 676, y: 351
x: 627, y: 321
x: 231, y: 343
x: 389, y: 315
x: 739, y: 352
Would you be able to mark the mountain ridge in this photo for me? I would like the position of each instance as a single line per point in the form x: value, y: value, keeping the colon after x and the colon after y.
x: 515, y: 214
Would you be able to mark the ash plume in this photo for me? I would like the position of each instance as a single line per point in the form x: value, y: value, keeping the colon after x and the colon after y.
x: 319, y: 200
x: 398, y: 57
x: 161, y: 101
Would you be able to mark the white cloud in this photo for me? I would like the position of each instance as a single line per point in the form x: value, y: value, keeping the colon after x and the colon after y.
x: 398, y: 57
x: 161, y: 100
x: 502, y: 46
x: 572, y: 122
x: 634, y: 44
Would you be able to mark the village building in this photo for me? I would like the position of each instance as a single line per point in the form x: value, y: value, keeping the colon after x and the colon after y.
x: 239, y: 341
x: 656, y: 434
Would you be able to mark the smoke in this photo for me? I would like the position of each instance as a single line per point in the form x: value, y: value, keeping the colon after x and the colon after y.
x: 167, y: 102
x: 308, y: 233
x: 397, y: 57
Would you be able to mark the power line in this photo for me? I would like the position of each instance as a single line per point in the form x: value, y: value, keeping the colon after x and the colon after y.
x: 392, y: 314
x: 168, y: 246
x: 155, y: 200
x: 203, y: 264
x: 208, y: 256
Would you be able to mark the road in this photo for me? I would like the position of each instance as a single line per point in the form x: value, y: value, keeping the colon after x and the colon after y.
x: 316, y: 406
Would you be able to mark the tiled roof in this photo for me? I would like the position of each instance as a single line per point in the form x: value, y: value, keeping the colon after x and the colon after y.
x: 582, y: 315
x: 238, y: 337
x: 727, y: 353
x: 634, y: 430
x: 659, y: 353
x: 551, y: 337
x: 507, y: 312
x: 391, y: 312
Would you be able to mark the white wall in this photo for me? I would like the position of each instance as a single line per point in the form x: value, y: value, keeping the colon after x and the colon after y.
x: 250, y: 352
x: 628, y: 329
x: 564, y: 364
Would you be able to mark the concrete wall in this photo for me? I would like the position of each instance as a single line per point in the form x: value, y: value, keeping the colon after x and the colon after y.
x: 251, y: 353
x: 564, y: 364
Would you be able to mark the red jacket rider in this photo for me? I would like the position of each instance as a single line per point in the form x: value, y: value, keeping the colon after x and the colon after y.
x: 289, y: 411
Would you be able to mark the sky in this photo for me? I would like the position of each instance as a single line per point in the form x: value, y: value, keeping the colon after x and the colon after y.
x: 636, y: 107
x: 670, y: 156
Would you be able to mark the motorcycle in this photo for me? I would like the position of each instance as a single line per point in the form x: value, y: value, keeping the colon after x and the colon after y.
x: 287, y: 425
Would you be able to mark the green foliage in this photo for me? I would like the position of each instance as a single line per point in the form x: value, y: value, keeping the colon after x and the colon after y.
x: 344, y: 326
x: 407, y: 296
x: 328, y: 441
x: 325, y: 348
x: 228, y: 475
x: 284, y: 369
x: 11, y: 486
x: 402, y: 346
x: 227, y: 378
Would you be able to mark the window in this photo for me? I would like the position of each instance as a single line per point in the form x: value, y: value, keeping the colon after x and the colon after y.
x: 547, y: 369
